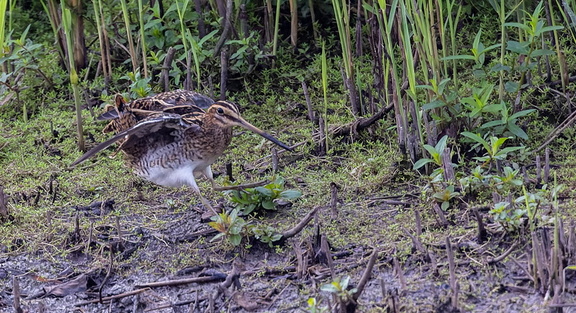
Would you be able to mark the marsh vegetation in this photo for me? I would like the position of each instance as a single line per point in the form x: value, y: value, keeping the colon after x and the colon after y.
x: 432, y: 168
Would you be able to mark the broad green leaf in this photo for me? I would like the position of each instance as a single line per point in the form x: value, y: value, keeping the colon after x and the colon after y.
x: 509, y: 149
x: 235, y: 240
x: 492, y: 124
x: 521, y: 113
x: 492, y: 108
x: 541, y: 52
x: 518, y: 47
x: 421, y: 163
x: 478, y: 139
x: 490, y: 48
x: 431, y: 150
x: 441, y: 145
x: 268, y: 204
x: 433, y: 105
x: 551, y: 28
x: 427, y: 87
x: 518, y: 25
x: 511, y: 86
x: 496, y: 143
x: 265, y: 191
x: 499, y: 67
x: 458, y: 57
x: 445, y: 205
x: 517, y: 131
x: 329, y: 288
x: 290, y: 194
x: 219, y: 227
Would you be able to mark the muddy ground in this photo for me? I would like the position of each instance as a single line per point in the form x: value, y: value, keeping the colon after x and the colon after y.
x: 260, y: 278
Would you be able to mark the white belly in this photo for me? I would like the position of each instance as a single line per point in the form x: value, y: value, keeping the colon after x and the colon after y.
x: 183, y: 175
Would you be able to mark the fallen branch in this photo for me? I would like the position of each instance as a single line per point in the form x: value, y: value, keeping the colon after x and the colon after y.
x: 503, y: 255
x: 366, y: 275
x: 296, y: 229
x: 361, y: 123
x: 118, y: 296
x: 204, y: 279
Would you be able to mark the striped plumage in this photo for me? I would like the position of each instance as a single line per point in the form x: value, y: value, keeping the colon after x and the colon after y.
x: 169, y: 140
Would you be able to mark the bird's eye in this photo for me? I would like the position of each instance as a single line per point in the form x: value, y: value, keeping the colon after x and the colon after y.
x: 220, y: 111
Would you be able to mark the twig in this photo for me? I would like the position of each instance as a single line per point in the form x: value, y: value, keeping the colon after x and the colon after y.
x: 167, y: 65
x: 3, y: 206
x: 334, y: 199
x: 226, y: 30
x: 503, y: 255
x: 481, y: 230
x: 16, y: 293
x: 361, y: 123
x: 296, y: 229
x: 325, y: 248
x: 452, y: 271
x: 118, y: 296
x: 107, y: 273
x: 205, y: 279
x: 223, y: 73
x: 308, y: 102
x: 366, y: 275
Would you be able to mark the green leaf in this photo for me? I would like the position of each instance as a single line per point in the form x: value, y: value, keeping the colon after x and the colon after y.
x: 551, y: 28
x: 441, y: 145
x: 490, y: 48
x: 421, y: 163
x: 458, y: 57
x: 492, y: 124
x: 265, y: 191
x: 519, y: 25
x: 235, y: 240
x: 478, y: 139
x: 433, y: 105
x: 521, y: 113
x: 330, y: 288
x: 508, y: 150
x: 445, y: 205
x: 492, y: 108
x: 518, y: 47
x: 290, y: 194
x: 268, y: 204
x: 499, y: 67
x: 511, y: 86
x: 496, y: 143
x: 541, y: 52
x: 517, y: 131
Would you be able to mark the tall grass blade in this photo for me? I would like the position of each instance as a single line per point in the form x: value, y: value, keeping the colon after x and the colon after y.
x: 67, y: 27
x: 126, y: 16
x: 142, y: 38
x: 325, y: 92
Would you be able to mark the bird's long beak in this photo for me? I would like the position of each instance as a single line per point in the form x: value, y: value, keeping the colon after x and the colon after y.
x: 254, y: 129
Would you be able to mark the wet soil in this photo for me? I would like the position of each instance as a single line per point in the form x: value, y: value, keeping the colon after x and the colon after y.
x: 259, y: 278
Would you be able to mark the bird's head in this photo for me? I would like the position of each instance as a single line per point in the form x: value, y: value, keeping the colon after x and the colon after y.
x: 226, y: 114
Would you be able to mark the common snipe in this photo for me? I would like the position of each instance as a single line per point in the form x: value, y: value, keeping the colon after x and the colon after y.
x: 173, y: 137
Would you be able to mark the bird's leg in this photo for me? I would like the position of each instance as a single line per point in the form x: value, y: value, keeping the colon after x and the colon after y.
x: 192, y: 183
x: 207, y: 204
x: 208, y: 173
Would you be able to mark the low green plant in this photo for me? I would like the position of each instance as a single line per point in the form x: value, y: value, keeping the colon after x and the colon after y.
x: 266, y: 234
x: 139, y: 87
x: 314, y: 306
x: 339, y: 289
x: 478, y: 55
x: 435, y: 154
x: 230, y: 226
x: 510, y: 216
x: 264, y: 197
x: 494, y: 149
x: 445, y: 195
